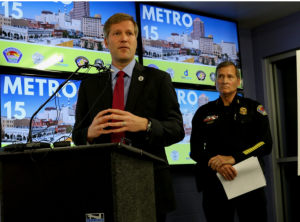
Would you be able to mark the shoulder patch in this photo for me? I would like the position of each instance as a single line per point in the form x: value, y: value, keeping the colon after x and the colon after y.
x: 261, y: 110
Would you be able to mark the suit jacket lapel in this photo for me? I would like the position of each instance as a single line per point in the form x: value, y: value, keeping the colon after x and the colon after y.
x: 106, y: 97
x: 136, y: 86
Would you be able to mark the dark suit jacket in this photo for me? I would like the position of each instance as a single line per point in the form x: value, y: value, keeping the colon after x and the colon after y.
x: 154, y: 97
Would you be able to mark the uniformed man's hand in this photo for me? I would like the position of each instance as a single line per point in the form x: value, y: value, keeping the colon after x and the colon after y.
x: 227, y: 171
x: 126, y: 121
x: 218, y: 161
x: 97, y: 127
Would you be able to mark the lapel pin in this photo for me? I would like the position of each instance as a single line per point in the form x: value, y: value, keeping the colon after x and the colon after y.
x: 141, y: 78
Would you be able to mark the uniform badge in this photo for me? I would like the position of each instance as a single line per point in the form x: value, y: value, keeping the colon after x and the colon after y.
x: 261, y: 110
x: 210, y: 118
x: 243, y: 111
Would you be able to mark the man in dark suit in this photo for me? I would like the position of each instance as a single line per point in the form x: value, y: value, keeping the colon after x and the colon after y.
x: 151, y: 118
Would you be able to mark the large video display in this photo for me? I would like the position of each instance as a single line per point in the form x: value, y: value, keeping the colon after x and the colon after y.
x: 21, y: 96
x: 56, y: 35
x: 187, y: 46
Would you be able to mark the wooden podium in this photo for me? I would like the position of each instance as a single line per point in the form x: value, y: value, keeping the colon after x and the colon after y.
x: 66, y: 184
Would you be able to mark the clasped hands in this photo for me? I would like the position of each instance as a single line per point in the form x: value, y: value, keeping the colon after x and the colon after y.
x: 126, y: 121
x: 223, y: 165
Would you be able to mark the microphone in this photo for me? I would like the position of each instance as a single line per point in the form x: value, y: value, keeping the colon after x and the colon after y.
x: 99, y: 65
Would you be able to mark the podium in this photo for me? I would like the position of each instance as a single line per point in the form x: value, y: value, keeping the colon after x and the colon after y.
x: 104, y: 182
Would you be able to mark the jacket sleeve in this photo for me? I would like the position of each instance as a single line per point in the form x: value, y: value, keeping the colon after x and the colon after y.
x: 197, y: 141
x: 168, y: 129
x: 262, y: 144
x: 79, y: 134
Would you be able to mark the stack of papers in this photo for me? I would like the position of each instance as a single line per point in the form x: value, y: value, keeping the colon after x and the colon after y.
x: 249, y: 177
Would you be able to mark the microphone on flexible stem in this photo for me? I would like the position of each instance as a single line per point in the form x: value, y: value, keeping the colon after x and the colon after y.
x: 99, y: 65
x: 30, y: 144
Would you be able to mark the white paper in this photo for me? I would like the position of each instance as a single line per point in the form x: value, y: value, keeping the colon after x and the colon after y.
x: 249, y: 177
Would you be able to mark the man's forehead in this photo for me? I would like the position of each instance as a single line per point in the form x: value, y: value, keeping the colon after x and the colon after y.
x: 229, y: 70
x: 119, y: 23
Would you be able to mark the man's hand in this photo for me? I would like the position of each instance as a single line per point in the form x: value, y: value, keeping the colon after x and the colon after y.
x: 126, y: 121
x: 227, y: 171
x: 97, y: 127
x: 218, y: 161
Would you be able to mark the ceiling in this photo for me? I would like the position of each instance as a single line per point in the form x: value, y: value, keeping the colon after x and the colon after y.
x: 247, y: 14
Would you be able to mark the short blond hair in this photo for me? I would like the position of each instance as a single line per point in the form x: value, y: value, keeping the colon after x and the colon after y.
x: 117, y: 18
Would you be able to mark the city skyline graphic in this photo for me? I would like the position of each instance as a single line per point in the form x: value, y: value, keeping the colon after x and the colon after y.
x: 219, y: 29
x: 106, y: 9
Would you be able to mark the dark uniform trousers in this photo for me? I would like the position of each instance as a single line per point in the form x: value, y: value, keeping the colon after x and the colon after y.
x: 250, y: 207
x: 240, y: 130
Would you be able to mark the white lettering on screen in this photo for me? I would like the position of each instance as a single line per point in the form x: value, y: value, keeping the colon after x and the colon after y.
x: 41, y: 87
x: 150, y: 15
x: 181, y: 95
x: 27, y: 87
x: 191, y: 97
x: 17, y: 86
x: 12, y: 87
x: 192, y: 93
x: 52, y: 86
x: 159, y: 15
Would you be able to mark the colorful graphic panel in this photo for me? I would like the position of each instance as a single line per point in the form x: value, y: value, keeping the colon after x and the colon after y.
x: 52, y: 35
x: 187, y: 46
x: 21, y: 96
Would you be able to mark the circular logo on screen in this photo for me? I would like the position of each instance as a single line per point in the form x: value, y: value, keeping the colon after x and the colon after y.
x: 174, y: 155
x: 171, y: 72
x: 153, y: 66
x: 200, y: 75
x: 213, y: 76
x: 37, y: 58
x: 81, y: 61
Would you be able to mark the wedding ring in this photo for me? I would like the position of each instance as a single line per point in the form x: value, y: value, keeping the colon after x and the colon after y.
x: 123, y: 123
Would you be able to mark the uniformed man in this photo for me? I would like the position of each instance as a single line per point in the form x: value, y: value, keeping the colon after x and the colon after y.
x: 225, y: 132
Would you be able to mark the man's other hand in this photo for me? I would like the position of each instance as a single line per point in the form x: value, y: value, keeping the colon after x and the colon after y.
x: 218, y: 161
x: 227, y: 171
x: 97, y: 127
